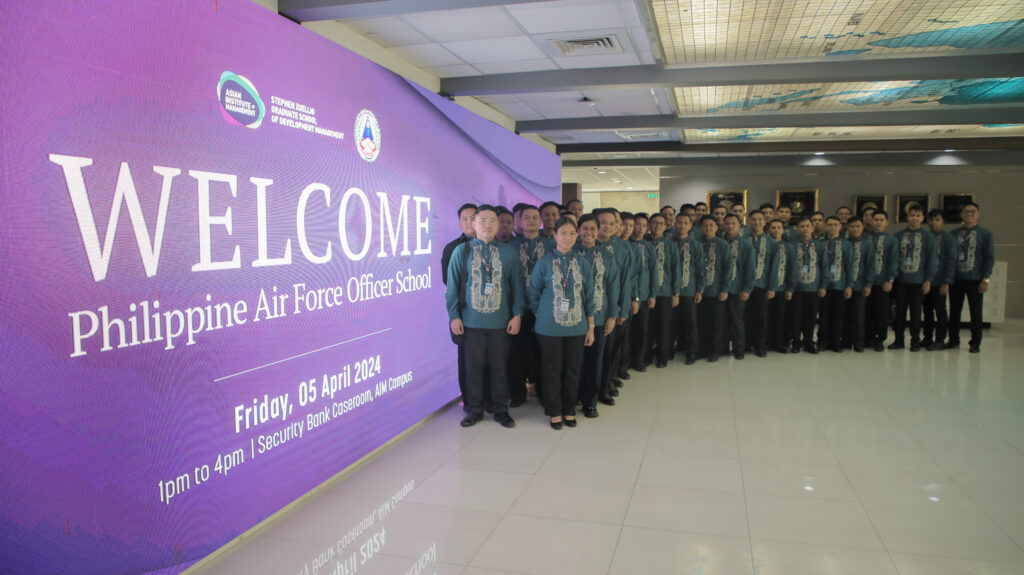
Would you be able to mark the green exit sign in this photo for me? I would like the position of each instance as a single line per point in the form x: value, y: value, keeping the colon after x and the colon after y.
x: 653, y: 195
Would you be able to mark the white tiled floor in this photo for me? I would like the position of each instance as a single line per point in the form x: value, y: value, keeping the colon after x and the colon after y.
x: 891, y: 463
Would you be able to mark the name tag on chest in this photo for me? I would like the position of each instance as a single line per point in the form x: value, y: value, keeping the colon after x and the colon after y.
x: 488, y: 289
x: 806, y: 269
x: 563, y: 306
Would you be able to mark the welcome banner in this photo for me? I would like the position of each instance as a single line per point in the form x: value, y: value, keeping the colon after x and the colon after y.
x: 220, y: 238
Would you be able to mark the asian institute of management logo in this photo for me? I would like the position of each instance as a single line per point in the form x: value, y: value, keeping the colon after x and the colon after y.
x: 240, y: 103
x: 367, y: 135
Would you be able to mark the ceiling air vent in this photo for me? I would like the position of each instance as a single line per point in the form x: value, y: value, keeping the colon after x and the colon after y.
x: 588, y: 46
x: 659, y: 136
x: 606, y: 41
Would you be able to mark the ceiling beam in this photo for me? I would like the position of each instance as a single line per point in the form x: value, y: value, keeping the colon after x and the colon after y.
x: 927, y: 159
x: 1006, y: 143
x: 838, y: 69
x: 313, y: 10
x: 935, y: 116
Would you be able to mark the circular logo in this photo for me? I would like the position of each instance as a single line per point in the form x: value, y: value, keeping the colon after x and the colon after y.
x: 367, y: 133
x: 240, y: 103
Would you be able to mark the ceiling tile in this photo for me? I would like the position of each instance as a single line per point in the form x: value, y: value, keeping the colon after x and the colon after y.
x: 547, y: 96
x: 495, y: 50
x: 387, y: 32
x: 603, y: 61
x: 464, y: 24
x: 566, y: 15
x: 427, y: 55
x: 519, y: 66
x: 453, y: 71
x: 852, y: 133
x: 519, y: 112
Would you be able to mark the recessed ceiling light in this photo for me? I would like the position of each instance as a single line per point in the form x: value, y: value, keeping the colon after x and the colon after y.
x: 819, y: 153
x: 948, y: 151
x: 629, y: 188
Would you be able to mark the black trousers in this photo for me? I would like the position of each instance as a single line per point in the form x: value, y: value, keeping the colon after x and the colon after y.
x: 878, y: 315
x: 959, y: 290
x: 757, y: 319
x: 687, y: 326
x: 777, y: 320
x: 832, y: 319
x: 620, y: 359
x: 854, y: 319
x: 462, y: 374
x: 736, y: 310
x: 908, y: 297
x: 608, y: 367
x: 486, y: 351
x: 661, y: 321
x: 524, y: 361
x: 639, y: 326
x: 561, y: 359
x: 591, y: 371
x: 710, y: 318
x: 805, y: 315
x: 936, y: 320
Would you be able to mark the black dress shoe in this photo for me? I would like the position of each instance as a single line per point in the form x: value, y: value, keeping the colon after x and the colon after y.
x: 689, y: 360
x: 504, y: 419
x: 617, y: 382
x: 858, y: 348
x: 614, y: 392
x: 811, y: 349
x: 556, y: 425
x: 896, y: 345
x: 937, y: 346
x: 624, y: 375
x: 915, y: 346
x: 879, y: 347
x: 606, y: 400
x: 569, y: 422
x: 662, y: 364
x: 794, y: 348
x: 590, y: 412
x: 712, y: 358
x: 975, y: 348
x: 640, y: 368
x: 738, y: 355
x: 471, y: 419
x: 761, y: 352
x: 780, y: 349
x: 516, y: 403
x: 952, y: 344
x: 926, y: 342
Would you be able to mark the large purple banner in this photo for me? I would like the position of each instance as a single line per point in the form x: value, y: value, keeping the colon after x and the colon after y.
x: 220, y: 238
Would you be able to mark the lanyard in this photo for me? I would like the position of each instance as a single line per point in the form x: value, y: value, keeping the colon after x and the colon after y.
x: 565, y: 276
x: 486, y: 261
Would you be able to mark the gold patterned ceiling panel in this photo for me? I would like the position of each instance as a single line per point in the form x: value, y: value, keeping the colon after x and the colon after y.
x: 717, y: 31
x: 693, y: 136
x: 848, y: 96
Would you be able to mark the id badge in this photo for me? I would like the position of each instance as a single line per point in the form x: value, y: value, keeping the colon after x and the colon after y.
x: 963, y: 255
x: 488, y: 289
x: 834, y: 269
x: 563, y: 306
x: 806, y: 269
x: 909, y: 260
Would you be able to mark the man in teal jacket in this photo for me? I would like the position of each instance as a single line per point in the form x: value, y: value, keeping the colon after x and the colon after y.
x: 485, y: 298
x: 975, y: 260
x: 936, y: 318
x: 917, y: 261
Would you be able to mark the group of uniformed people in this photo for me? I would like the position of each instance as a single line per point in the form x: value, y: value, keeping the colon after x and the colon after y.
x: 571, y: 302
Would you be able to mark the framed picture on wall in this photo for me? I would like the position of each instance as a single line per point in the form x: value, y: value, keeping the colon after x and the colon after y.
x: 951, y: 206
x: 726, y: 199
x: 801, y: 201
x: 861, y: 203
x: 905, y: 202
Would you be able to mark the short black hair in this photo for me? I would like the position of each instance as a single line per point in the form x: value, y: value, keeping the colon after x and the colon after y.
x: 565, y: 220
x: 836, y: 218
x: 500, y: 210
x: 755, y: 212
x: 626, y: 215
x: 915, y: 208
x: 641, y: 216
x: 881, y: 213
x: 767, y: 205
x: 786, y: 206
x: 803, y: 219
x: 549, y: 204
x: 564, y: 212
x: 589, y: 218
x: 527, y: 207
x: 708, y: 218
x: 685, y: 207
x: 668, y: 206
x: 854, y: 219
x: 657, y: 215
x: 487, y: 208
x: 734, y: 216
x: 976, y: 206
x: 935, y: 213
x: 698, y: 204
x: 570, y: 202
x: 465, y: 207
x: 822, y: 214
x: 844, y: 208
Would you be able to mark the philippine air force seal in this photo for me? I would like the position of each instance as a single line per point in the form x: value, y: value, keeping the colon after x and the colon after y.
x: 367, y: 135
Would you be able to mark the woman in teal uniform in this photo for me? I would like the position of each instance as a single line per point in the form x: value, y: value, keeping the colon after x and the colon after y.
x: 562, y: 298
